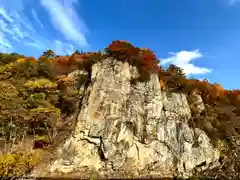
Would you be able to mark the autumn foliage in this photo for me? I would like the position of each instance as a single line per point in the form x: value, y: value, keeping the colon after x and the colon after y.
x: 49, y: 65
x: 27, y: 60
x: 144, y: 59
x: 122, y: 50
x: 37, y: 94
x: 173, y: 78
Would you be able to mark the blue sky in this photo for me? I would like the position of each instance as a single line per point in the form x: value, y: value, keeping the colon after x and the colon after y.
x: 201, y: 36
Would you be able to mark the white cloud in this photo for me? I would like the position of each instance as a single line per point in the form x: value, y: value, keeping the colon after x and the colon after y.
x: 183, y: 58
x: 65, y: 18
x: 36, y: 18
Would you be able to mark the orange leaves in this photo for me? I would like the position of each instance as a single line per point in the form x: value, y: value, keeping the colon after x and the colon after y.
x: 71, y: 60
x: 212, y: 93
x: 31, y: 59
x: 64, y: 81
x: 86, y: 60
x: 62, y: 64
x: 144, y: 59
x: 236, y: 92
x: 27, y: 60
x: 63, y: 60
x: 233, y: 96
x: 218, y: 90
x: 81, y: 57
x: 78, y: 58
x: 162, y: 84
x: 65, y: 64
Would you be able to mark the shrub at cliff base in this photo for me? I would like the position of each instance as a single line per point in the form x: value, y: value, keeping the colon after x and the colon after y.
x: 19, y: 163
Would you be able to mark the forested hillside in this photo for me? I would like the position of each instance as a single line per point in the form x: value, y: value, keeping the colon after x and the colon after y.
x: 39, y: 101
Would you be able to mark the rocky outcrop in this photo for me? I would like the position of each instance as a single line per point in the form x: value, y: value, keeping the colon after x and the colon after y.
x: 135, y: 127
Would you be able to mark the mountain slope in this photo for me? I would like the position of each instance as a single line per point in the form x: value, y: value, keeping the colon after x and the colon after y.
x: 107, y: 111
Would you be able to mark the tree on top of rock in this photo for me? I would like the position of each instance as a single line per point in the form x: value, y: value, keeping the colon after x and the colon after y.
x: 175, y: 70
x: 49, y: 53
x: 144, y: 59
x: 122, y: 50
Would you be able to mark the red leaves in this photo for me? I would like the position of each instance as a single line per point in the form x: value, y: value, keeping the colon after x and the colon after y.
x: 118, y: 45
x: 148, y: 60
x: 144, y: 59
x: 122, y: 50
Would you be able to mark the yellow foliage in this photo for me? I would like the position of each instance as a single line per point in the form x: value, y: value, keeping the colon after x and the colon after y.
x: 42, y: 138
x: 40, y: 83
x: 7, y: 67
x: 7, y: 90
x: 18, y: 164
x: 221, y: 146
x: 21, y: 60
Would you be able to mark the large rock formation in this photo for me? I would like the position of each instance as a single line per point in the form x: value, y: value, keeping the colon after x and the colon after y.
x: 134, y: 128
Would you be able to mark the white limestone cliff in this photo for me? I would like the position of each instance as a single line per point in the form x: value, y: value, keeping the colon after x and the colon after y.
x: 135, y: 126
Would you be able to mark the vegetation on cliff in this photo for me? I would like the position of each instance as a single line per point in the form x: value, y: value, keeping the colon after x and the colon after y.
x: 37, y: 97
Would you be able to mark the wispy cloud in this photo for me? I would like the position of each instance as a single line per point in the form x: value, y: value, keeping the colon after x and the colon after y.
x: 65, y: 18
x: 12, y: 28
x: 16, y: 28
x: 183, y: 58
x: 5, y: 15
x: 4, y: 27
x: 36, y: 18
x: 5, y: 45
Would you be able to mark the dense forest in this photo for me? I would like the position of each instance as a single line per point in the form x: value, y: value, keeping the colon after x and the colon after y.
x: 37, y: 99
